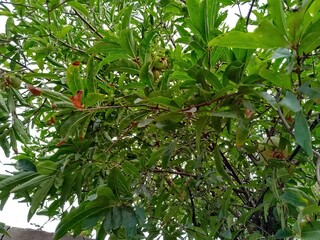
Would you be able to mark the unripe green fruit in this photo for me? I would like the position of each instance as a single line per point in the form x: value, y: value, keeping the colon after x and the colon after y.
x: 156, y: 74
x: 15, y: 82
x: 269, y: 149
x: 160, y: 63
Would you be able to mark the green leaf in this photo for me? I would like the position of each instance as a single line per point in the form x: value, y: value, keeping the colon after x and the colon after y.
x: 127, y: 42
x: 277, y: 79
x: 74, y: 80
x: 107, y: 223
x: 126, y: 17
x: 106, y: 47
x: 220, y: 166
x: 167, y: 154
x: 197, y: 17
x: 12, y: 181
x: 226, y: 201
x: 104, y: 191
x: 125, y: 65
x: 311, y: 209
x: 3, y: 103
x: 145, y: 122
x: 145, y: 45
x: 46, y: 167
x: 129, y: 222
x: 24, y: 165
x: 76, y: 216
x: 212, y: 79
x: 70, y: 126
x: 30, y: 184
x: 265, y: 36
x: 68, y: 184
x: 54, y: 96
x: 39, y: 196
x: 290, y: 101
x: 91, y: 75
x: 283, y: 233
x: 93, y: 98
x: 118, y: 182
x: 294, y: 197
x: 242, y: 133
x: 130, y: 169
x: 84, y: 126
x: 310, y: 230
x: 302, y: 133
x: 233, y: 72
x: 20, y: 130
x: 141, y: 215
x: 41, y: 75
x: 146, y: 75
x: 278, y: 16
x: 309, y: 43
x: 116, y: 218
x: 270, y: 99
x: 164, y: 101
x: 79, y: 7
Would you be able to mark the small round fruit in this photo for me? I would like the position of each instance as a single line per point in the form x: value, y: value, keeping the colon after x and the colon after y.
x: 15, y: 82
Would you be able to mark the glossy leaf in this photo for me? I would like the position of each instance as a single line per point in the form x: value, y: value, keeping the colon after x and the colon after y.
x: 302, y: 133
x: 167, y: 154
x: 76, y: 216
x: 74, y: 80
x: 257, y: 39
x: 40, y: 195
x: 294, y: 197
x: 310, y: 230
x: 290, y: 101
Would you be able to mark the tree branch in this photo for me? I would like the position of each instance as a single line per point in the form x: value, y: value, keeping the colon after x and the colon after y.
x: 88, y: 24
x: 249, y: 13
x: 17, y: 62
x: 194, y: 219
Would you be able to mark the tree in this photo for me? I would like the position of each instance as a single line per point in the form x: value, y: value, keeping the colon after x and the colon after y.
x: 140, y: 119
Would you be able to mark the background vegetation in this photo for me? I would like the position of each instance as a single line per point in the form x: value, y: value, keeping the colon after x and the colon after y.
x: 141, y: 119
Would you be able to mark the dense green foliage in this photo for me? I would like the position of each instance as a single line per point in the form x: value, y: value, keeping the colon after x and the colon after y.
x: 154, y: 118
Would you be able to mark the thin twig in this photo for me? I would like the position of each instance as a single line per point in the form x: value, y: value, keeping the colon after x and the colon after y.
x: 133, y: 124
x: 208, y: 103
x: 249, y: 13
x: 17, y: 62
x: 194, y: 219
x: 88, y: 24
x: 315, y: 153
x: 285, y: 123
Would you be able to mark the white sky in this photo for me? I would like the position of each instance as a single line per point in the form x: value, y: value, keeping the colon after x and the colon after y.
x: 14, y: 213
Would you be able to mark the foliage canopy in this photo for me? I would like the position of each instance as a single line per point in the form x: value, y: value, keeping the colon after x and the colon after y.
x: 154, y: 118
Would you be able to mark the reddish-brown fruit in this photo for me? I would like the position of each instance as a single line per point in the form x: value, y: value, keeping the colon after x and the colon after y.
x: 35, y: 91
x: 76, y: 63
x: 51, y: 121
x: 76, y: 100
x: 248, y: 113
x: 289, y: 119
x: 54, y: 106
